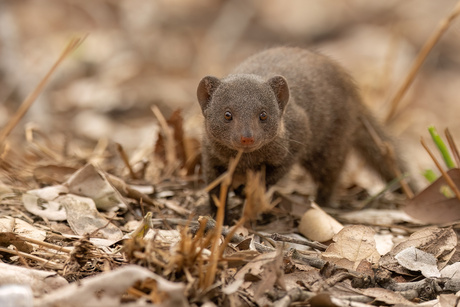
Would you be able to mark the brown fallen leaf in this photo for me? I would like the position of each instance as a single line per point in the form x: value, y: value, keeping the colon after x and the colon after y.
x: 439, y: 242
x: 53, y: 174
x: 432, y: 206
x: 353, y: 244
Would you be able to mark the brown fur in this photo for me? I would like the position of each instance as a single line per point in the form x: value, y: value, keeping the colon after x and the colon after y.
x: 314, y: 116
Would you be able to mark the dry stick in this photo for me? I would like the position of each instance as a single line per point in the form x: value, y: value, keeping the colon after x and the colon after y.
x: 125, y: 159
x: 215, y: 255
x: 170, y: 149
x: 46, y: 263
x: 27, y: 103
x: 46, y: 244
x: 453, y: 146
x: 430, y: 43
x: 446, y: 176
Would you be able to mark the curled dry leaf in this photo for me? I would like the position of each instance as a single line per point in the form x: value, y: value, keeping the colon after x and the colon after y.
x: 43, y: 202
x: 433, y: 206
x: 317, y: 225
x: 41, y: 282
x: 352, y: 245
x: 106, y: 289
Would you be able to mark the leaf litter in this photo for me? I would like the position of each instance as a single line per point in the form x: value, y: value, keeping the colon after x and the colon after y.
x: 87, y: 225
x: 172, y: 256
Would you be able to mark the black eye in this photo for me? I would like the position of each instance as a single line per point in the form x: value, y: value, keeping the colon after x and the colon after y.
x: 228, y: 115
x: 263, y: 116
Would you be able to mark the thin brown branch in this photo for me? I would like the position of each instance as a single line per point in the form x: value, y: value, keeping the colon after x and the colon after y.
x: 46, y: 263
x: 170, y: 148
x: 453, y: 146
x: 125, y: 159
x: 420, y: 59
x: 316, y: 245
x: 48, y: 245
x: 446, y: 176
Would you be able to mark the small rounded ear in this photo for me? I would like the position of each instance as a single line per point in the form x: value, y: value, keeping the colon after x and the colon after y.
x: 205, y: 90
x: 281, y: 89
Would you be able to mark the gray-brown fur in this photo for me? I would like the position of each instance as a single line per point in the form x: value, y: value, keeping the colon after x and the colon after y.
x: 314, y: 116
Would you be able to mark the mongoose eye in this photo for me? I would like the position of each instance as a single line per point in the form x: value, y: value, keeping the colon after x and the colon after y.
x: 263, y: 116
x: 228, y: 115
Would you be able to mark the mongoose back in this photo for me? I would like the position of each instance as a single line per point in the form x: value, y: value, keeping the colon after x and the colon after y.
x: 284, y: 106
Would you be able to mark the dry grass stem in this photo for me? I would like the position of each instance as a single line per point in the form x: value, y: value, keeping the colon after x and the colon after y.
x: 453, y: 146
x: 220, y: 203
x: 46, y: 244
x: 170, y: 147
x: 45, y: 263
x: 125, y: 159
x: 446, y: 176
x: 27, y: 103
x: 420, y: 59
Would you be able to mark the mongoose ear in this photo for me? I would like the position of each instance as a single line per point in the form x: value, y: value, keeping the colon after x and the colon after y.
x: 281, y: 89
x: 205, y: 90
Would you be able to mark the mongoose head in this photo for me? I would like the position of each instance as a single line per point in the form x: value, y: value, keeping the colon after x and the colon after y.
x: 243, y: 111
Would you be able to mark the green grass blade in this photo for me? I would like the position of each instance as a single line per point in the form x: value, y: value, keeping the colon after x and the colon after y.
x: 442, y: 147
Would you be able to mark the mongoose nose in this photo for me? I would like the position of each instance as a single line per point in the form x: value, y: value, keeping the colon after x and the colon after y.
x: 247, y: 140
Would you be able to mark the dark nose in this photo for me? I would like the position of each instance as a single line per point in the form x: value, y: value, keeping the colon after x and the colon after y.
x: 247, y: 140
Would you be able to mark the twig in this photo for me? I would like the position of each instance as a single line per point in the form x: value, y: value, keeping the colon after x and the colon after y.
x: 215, y: 255
x: 453, y: 146
x: 46, y: 263
x: 27, y: 103
x: 420, y: 59
x: 170, y: 149
x: 125, y: 159
x: 316, y: 245
x: 46, y: 244
x: 446, y: 176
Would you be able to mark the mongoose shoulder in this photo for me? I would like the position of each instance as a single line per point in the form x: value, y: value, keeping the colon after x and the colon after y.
x: 284, y: 106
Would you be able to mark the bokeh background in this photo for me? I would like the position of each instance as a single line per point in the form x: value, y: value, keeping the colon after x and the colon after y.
x: 141, y: 53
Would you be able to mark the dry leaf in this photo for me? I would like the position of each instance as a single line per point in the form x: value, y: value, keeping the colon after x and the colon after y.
x: 84, y: 218
x: 53, y: 174
x: 352, y: 245
x: 387, y: 296
x: 20, y: 227
x: 317, y: 225
x: 106, y: 289
x: 416, y: 260
x: 432, y: 206
x: 40, y: 281
x: 451, y: 271
x: 42, y: 202
x: 89, y: 182
x: 439, y: 242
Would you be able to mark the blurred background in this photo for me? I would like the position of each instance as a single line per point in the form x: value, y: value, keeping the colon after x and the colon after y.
x: 141, y: 53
